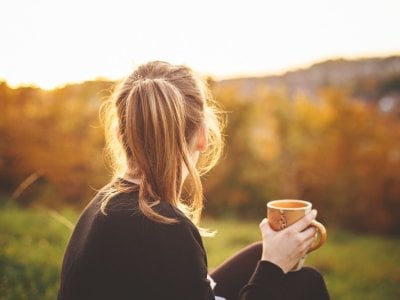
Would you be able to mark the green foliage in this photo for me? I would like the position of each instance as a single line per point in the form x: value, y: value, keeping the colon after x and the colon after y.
x: 360, y: 266
x: 55, y: 134
x: 343, y: 155
x: 32, y: 243
x: 326, y: 147
x: 31, y: 248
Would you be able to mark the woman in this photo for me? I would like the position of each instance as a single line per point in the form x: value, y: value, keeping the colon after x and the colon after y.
x: 137, y: 239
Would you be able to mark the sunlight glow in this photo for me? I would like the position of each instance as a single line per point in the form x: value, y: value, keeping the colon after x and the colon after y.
x: 48, y: 43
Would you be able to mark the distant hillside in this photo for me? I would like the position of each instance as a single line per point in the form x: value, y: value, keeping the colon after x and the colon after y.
x: 367, y: 78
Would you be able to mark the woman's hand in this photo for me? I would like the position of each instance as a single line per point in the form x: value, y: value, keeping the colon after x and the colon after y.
x: 286, y: 247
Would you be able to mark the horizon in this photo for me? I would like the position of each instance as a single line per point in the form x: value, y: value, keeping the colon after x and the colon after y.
x: 304, y: 66
x: 49, y: 44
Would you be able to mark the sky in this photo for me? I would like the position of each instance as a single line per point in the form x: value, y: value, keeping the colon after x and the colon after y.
x: 48, y: 43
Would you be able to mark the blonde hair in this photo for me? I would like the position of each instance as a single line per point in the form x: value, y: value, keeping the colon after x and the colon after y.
x: 151, y: 121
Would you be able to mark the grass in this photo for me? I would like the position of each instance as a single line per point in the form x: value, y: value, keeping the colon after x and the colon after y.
x: 32, y: 243
x: 31, y: 249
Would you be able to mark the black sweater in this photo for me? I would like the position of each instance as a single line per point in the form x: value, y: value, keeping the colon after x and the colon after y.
x: 124, y: 255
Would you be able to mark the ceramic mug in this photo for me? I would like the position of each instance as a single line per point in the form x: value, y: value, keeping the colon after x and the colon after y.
x: 283, y: 213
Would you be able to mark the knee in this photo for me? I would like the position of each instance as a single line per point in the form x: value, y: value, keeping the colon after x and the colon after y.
x: 256, y: 245
x: 254, y: 248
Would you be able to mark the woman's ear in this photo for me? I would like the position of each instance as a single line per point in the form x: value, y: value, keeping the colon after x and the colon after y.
x: 202, y: 138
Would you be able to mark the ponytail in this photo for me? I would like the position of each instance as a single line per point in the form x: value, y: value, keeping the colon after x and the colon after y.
x: 159, y: 109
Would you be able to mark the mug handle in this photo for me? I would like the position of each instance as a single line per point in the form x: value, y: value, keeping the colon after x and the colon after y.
x: 321, y: 233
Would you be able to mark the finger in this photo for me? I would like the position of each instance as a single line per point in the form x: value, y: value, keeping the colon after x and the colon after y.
x: 264, y: 222
x: 304, y: 222
x: 309, y: 238
x: 308, y: 234
x: 265, y: 226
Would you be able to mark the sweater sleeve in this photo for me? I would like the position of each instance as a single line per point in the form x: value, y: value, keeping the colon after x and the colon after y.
x: 267, y: 283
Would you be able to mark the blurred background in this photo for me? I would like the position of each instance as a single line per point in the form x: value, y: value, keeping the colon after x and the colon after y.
x: 311, y: 91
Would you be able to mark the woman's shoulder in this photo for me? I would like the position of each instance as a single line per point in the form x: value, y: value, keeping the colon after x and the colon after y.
x: 122, y: 210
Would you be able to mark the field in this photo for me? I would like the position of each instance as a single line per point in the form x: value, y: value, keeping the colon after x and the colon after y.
x: 32, y: 243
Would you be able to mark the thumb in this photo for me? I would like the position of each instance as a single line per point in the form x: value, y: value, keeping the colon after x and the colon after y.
x: 265, y: 227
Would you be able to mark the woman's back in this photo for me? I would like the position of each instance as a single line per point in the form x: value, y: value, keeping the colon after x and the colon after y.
x: 125, y: 255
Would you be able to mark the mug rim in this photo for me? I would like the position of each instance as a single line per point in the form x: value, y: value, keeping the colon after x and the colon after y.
x: 307, y: 204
